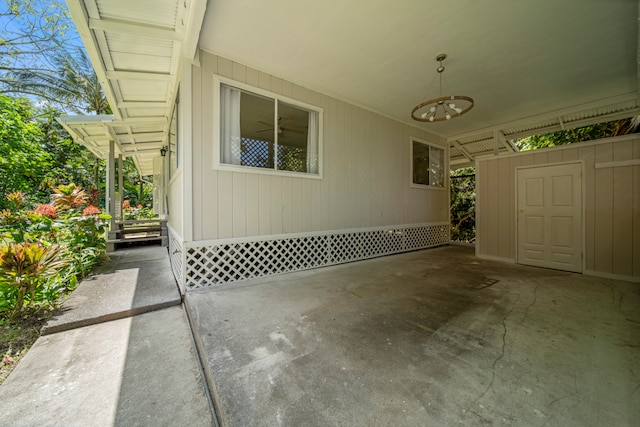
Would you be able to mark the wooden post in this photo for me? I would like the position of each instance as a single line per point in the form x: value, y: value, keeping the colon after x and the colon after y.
x: 110, y: 193
x: 120, y: 189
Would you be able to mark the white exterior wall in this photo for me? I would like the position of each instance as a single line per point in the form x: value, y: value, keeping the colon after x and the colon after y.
x: 176, y: 203
x: 366, y: 164
x: 611, y: 181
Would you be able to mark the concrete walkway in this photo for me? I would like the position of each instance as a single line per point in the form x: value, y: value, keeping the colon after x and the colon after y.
x: 119, y: 354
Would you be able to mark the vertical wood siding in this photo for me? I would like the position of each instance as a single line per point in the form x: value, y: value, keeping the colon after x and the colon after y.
x: 365, y: 170
x: 611, y: 204
x: 176, y: 203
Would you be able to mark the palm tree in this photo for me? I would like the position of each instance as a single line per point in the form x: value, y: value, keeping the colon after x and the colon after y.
x: 71, y: 84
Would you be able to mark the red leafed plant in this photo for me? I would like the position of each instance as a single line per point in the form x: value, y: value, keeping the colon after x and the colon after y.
x: 46, y: 210
x: 69, y: 196
x: 90, y: 210
x: 25, y: 266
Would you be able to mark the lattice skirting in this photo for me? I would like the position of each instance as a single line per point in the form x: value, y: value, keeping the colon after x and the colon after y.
x: 234, y: 260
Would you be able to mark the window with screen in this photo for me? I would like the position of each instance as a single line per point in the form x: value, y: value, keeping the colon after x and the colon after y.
x: 263, y: 131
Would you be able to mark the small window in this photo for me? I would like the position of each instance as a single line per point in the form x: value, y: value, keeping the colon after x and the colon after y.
x: 427, y: 164
x: 265, y: 132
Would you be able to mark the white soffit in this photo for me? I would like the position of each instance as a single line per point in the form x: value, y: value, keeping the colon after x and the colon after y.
x: 136, y: 48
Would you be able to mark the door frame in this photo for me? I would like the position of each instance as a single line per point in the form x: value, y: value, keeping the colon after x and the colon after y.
x: 582, y: 208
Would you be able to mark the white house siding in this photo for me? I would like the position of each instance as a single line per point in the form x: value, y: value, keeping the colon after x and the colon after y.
x: 611, y: 203
x: 176, y: 201
x: 365, y: 161
x: 176, y: 225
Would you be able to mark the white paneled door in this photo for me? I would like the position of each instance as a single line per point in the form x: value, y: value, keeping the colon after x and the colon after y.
x: 550, y: 216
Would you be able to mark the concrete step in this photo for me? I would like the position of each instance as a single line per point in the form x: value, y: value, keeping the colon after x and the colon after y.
x: 134, y: 281
x: 138, y: 371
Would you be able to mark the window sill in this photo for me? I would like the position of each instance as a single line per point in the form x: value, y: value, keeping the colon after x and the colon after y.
x: 264, y: 171
x: 427, y: 187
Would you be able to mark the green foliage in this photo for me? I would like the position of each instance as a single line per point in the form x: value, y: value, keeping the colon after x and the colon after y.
x: 36, y: 154
x: 46, y: 251
x: 25, y: 267
x: 463, y: 205
x: 23, y: 162
x: 137, y: 190
x: 585, y: 133
x: 70, y: 162
x: 139, y: 212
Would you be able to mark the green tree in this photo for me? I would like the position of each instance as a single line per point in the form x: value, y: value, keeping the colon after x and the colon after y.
x: 23, y: 161
x: 463, y: 204
x: 72, y: 84
x: 71, y: 162
x: 31, y: 32
x: 584, y: 133
x: 37, y: 154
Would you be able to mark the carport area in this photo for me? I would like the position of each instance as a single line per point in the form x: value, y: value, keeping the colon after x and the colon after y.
x: 434, y: 337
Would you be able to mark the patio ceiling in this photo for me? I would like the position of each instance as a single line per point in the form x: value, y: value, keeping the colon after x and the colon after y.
x: 532, y: 67
x: 136, y: 48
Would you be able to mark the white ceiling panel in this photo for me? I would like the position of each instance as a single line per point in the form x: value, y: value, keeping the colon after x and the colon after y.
x: 136, y: 48
x: 150, y: 12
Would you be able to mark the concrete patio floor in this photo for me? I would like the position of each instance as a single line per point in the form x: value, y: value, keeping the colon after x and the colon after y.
x: 434, y: 337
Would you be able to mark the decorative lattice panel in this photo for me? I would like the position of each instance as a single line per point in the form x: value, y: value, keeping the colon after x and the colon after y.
x: 234, y: 261
x: 175, y: 255
x: 255, y: 152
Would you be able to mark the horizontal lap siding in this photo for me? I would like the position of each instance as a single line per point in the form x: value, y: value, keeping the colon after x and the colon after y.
x: 611, y: 204
x: 365, y: 171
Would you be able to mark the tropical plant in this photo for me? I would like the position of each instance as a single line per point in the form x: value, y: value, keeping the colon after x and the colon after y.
x: 26, y: 266
x: 71, y: 84
x: 67, y: 197
x: 47, y: 250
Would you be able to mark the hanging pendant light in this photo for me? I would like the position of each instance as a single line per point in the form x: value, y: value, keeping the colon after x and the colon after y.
x: 443, y: 107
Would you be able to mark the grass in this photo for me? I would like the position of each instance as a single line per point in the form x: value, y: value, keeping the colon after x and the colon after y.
x: 18, y: 335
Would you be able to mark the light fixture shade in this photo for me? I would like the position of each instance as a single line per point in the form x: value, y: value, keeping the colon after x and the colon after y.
x: 434, y: 114
x: 441, y: 108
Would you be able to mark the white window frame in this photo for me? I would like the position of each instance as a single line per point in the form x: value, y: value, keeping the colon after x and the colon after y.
x: 444, y: 166
x: 217, y: 163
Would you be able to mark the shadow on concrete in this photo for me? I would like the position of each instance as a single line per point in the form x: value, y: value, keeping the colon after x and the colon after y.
x: 137, y: 369
x: 434, y: 337
x: 130, y: 282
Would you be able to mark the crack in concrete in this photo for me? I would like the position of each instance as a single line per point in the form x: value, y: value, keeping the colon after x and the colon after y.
x: 502, y: 352
x: 614, y: 293
x: 575, y: 392
x: 633, y: 374
x: 535, y: 299
x: 486, y: 421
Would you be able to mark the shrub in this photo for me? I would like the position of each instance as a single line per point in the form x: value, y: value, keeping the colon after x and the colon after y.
x: 25, y: 267
x: 46, y: 251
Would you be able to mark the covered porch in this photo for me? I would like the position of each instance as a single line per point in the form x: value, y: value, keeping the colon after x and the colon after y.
x: 526, y: 67
x: 436, y: 337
